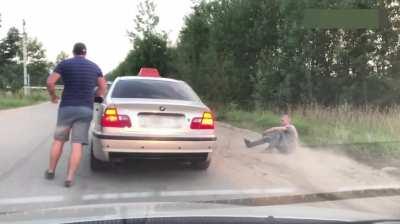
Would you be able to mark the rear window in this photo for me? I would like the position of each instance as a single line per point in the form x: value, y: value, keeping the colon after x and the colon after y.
x: 153, y: 89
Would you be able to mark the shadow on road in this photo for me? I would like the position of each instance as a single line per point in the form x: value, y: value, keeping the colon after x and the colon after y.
x: 147, y: 166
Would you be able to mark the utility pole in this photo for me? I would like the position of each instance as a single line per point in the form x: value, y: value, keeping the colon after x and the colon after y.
x: 24, y: 60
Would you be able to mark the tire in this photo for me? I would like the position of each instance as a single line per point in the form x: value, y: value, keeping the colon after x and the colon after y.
x: 201, y: 165
x: 95, y: 164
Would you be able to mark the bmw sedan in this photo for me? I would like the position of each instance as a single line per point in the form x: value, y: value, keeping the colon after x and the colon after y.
x: 149, y: 117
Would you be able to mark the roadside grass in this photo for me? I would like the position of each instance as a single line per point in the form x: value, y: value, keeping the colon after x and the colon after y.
x: 13, y: 100
x: 345, y: 128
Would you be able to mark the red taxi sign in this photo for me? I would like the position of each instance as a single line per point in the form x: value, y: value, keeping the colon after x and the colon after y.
x: 149, y: 72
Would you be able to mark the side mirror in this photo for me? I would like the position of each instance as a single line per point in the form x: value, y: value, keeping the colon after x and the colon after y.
x: 98, y: 99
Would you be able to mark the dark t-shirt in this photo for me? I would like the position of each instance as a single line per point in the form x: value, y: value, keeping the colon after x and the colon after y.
x: 80, y: 78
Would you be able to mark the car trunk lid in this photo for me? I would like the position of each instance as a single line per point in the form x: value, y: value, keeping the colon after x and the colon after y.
x: 157, y: 116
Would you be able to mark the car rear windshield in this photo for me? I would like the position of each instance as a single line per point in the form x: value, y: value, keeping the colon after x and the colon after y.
x: 153, y: 89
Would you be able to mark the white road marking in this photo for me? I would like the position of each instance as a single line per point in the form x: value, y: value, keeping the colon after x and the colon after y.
x: 30, y: 200
x: 226, y: 192
x: 376, y: 187
x: 146, y: 194
x: 185, y: 193
x: 164, y: 194
x: 138, y: 195
x: 89, y: 197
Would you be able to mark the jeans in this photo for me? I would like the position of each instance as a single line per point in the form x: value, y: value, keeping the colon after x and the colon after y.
x: 275, y: 139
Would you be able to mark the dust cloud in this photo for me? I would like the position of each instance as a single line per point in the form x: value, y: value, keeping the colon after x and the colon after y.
x: 311, y: 169
x: 306, y: 170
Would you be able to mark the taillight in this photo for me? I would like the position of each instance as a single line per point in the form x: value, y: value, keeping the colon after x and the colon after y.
x: 111, y: 118
x: 205, y: 122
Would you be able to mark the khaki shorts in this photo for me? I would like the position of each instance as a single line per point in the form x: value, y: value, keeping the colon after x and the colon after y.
x: 73, y: 121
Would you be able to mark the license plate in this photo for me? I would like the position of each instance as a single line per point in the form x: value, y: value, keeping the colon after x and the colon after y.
x: 157, y: 121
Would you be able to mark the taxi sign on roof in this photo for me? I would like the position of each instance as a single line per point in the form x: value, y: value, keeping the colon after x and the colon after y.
x: 149, y: 72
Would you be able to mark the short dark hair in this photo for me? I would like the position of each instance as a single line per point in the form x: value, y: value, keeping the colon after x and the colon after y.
x: 79, y: 49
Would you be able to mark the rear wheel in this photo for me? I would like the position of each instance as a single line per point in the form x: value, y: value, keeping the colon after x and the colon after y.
x: 201, y: 165
x: 95, y: 164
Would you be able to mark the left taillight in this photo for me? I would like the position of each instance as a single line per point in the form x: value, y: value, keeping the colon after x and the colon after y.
x: 204, y: 122
x: 111, y: 118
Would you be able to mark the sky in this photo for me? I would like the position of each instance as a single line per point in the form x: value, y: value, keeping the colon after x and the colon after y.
x: 101, y: 24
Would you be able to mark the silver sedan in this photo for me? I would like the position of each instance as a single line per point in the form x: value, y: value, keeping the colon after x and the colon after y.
x: 152, y: 118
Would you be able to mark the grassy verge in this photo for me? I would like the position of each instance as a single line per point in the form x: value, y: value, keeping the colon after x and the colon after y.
x: 18, y: 100
x: 366, y: 130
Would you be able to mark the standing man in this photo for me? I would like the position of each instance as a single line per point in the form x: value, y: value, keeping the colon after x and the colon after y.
x: 80, y: 77
x: 284, y: 138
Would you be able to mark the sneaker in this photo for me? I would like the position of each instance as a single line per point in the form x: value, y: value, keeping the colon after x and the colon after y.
x: 49, y: 175
x: 247, y: 143
x: 68, y: 183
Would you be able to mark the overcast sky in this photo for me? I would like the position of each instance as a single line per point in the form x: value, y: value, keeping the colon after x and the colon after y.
x: 101, y: 24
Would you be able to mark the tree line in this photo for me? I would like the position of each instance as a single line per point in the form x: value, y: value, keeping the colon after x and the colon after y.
x: 259, y: 53
x: 11, y: 59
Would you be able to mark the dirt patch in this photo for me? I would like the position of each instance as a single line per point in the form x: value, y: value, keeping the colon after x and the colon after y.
x: 310, y: 169
x: 387, y: 163
x: 307, y: 170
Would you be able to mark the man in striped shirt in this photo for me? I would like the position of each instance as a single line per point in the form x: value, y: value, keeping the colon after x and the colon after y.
x: 80, y: 77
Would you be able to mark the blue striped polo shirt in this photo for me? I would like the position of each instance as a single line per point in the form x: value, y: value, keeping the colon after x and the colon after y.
x: 80, y: 78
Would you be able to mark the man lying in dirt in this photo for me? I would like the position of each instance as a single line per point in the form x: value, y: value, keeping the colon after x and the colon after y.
x: 283, y: 138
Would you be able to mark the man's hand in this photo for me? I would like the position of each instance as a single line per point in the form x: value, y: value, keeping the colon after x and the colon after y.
x: 54, y: 99
x: 101, y: 86
x: 51, y: 86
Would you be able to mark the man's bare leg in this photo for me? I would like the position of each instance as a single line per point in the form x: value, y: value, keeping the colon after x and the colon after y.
x: 74, y: 161
x: 55, y: 154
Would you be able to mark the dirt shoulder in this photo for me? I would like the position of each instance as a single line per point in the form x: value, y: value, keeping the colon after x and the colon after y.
x: 307, y: 170
x: 317, y: 168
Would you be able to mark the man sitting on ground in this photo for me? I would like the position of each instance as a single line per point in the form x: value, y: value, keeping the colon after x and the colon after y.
x: 284, y: 138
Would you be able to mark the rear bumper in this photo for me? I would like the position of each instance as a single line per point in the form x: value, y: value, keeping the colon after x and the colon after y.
x: 157, y: 156
x: 108, y: 147
x: 142, y: 138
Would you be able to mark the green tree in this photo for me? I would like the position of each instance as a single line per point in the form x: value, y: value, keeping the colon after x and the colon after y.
x: 10, y: 72
x: 38, y: 66
x: 61, y: 56
x: 230, y: 50
x: 146, y: 20
x: 11, y: 75
x: 259, y: 53
x: 149, y: 46
x: 10, y: 45
x: 219, y: 46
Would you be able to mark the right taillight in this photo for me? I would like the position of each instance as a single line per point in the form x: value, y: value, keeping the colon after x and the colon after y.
x: 205, y: 122
x: 111, y: 118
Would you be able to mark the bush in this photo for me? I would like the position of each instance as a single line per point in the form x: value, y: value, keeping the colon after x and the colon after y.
x: 348, y: 128
x: 9, y: 100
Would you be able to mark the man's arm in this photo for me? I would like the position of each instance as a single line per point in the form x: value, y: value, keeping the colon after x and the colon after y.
x: 275, y: 129
x: 101, y: 86
x: 51, y: 86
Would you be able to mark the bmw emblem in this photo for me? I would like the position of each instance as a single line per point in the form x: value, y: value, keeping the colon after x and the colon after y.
x: 162, y: 108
